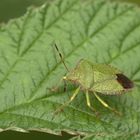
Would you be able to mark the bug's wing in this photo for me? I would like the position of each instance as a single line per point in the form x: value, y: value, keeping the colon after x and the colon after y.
x: 125, y: 81
x: 110, y: 84
x: 106, y: 69
x: 109, y: 80
x: 108, y: 87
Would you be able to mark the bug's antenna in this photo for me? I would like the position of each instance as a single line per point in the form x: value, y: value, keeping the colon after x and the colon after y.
x: 61, y: 57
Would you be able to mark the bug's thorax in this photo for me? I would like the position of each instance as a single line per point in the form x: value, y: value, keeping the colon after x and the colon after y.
x: 82, y: 75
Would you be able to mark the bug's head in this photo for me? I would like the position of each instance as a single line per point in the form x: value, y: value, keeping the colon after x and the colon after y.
x: 71, y: 76
x: 80, y: 72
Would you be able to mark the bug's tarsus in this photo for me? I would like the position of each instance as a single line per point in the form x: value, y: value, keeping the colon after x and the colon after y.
x: 61, y: 57
x: 107, y: 106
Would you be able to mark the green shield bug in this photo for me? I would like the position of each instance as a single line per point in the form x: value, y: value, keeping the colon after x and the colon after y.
x: 96, y: 78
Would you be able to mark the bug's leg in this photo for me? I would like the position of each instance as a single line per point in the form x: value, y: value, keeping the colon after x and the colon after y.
x: 69, y: 101
x: 89, y: 104
x: 88, y: 101
x: 106, y: 105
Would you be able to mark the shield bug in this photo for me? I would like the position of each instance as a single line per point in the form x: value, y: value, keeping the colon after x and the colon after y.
x: 96, y: 78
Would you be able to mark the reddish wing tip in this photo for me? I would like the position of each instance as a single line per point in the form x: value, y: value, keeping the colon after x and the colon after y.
x: 124, y: 81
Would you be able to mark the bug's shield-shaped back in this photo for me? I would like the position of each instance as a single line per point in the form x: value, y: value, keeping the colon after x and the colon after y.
x: 108, y: 87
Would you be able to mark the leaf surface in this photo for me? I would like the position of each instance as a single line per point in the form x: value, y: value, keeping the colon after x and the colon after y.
x: 99, y: 31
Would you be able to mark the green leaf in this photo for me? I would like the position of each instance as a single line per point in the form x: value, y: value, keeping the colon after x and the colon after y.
x: 97, y: 30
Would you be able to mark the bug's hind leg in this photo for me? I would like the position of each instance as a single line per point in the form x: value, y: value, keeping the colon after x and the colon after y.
x: 106, y: 105
x: 89, y: 104
x: 69, y: 101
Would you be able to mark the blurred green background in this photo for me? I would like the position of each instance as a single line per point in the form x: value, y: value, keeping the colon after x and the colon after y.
x: 13, y: 9
x: 16, y: 8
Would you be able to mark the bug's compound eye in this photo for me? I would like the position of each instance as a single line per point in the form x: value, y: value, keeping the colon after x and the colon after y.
x: 64, y: 78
